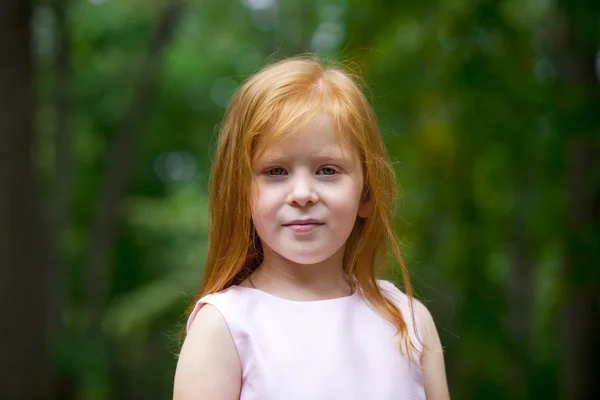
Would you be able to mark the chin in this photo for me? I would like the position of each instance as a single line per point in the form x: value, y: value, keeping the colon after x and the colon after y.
x: 304, y: 260
x: 306, y: 257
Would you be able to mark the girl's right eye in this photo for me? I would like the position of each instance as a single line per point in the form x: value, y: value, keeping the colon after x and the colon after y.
x: 277, y: 171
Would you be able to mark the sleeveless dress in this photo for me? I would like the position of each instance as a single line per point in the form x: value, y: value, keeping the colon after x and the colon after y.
x: 318, y: 350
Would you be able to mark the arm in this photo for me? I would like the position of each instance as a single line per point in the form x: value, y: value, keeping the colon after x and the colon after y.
x: 208, y: 366
x: 432, y: 359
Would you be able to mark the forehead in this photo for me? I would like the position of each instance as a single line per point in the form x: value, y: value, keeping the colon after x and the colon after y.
x: 317, y: 138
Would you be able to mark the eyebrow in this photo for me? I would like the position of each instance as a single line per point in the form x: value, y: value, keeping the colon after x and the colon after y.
x: 325, y: 156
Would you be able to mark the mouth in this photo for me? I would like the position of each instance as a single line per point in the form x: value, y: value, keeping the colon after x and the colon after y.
x: 303, y: 225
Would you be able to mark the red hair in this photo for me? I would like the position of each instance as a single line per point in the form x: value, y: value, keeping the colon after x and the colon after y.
x: 280, y: 98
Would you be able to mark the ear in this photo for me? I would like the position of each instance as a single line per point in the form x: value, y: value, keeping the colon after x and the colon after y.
x: 364, y: 208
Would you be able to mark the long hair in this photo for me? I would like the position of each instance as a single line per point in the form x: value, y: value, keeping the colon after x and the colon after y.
x: 280, y: 98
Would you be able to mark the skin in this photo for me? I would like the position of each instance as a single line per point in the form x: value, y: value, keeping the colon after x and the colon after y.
x: 208, y: 351
x: 432, y: 360
x: 308, y: 175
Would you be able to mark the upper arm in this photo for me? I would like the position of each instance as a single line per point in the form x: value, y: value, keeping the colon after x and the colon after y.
x: 208, y: 365
x: 432, y: 358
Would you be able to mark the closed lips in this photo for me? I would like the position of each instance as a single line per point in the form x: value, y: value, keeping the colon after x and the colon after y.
x: 304, y: 222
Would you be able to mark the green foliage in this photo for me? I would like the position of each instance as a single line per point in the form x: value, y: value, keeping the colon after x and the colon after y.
x: 175, y: 239
x: 476, y: 117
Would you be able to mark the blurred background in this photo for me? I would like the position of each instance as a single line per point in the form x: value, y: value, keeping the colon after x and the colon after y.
x: 109, y: 112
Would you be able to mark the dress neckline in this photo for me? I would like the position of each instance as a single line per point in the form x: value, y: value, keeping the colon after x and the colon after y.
x: 284, y: 300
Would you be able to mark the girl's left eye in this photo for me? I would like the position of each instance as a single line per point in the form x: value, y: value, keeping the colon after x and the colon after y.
x: 328, y: 171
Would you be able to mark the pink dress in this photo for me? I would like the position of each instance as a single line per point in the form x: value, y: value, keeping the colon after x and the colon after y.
x: 312, y: 350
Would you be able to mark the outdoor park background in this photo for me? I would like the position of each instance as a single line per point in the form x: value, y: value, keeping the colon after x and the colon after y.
x: 108, y: 110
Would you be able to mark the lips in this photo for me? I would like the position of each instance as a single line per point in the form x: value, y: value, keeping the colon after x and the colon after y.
x: 299, y: 222
x: 303, y: 226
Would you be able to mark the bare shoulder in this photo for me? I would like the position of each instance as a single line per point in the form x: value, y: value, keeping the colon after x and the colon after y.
x: 208, y: 365
x: 424, y: 316
x: 432, y: 359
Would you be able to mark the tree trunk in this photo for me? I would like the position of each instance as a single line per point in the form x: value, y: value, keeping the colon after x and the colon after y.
x: 580, y: 329
x: 520, y: 294
x: 120, y: 164
x: 26, y: 370
x: 59, y: 202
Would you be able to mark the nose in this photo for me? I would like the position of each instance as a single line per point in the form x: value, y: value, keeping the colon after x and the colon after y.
x: 302, y: 191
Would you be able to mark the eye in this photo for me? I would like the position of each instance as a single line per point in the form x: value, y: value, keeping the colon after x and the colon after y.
x: 275, y: 171
x: 328, y: 171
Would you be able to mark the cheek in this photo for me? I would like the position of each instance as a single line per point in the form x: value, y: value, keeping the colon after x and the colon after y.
x: 263, y: 202
x: 346, y: 198
x: 255, y: 205
x: 254, y: 198
x: 344, y: 207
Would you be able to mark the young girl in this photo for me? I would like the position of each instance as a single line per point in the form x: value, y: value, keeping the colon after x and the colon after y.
x: 301, y: 208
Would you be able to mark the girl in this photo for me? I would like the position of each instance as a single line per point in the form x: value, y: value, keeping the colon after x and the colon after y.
x: 301, y: 203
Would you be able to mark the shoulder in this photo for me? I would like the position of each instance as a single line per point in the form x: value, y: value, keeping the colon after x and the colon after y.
x: 395, y: 294
x: 389, y: 286
x: 207, y: 320
x: 425, y: 319
x: 432, y: 356
x: 228, y: 302
x: 208, y: 351
x: 421, y: 313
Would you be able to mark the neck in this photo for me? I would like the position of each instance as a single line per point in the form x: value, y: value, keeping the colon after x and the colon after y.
x: 280, y: 276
